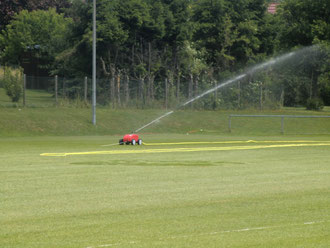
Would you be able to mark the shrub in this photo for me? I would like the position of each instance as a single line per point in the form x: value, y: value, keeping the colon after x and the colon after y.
x: 314, y: 104
x: 12, y: 83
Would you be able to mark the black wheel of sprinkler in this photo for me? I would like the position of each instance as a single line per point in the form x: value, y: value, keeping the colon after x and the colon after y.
x: 121, y: 142
x: 139, y: 142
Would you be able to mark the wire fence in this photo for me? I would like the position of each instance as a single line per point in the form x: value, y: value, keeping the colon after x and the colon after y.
x: 125, y: 92
x: 282, y: 117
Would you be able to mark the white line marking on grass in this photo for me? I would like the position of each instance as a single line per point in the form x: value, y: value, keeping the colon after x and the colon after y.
x: 314, y: 222
x: 106, y: 245
x: 114, y: 244
x: 114, y: 144
x: 222, y: 232
x: 248, y: 229
x: 215, y: 233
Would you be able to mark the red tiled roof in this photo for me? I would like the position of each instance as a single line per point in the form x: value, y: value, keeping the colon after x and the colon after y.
x: 272, y: 8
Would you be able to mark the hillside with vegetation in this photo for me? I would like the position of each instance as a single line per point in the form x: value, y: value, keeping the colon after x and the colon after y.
x: 160, y: 52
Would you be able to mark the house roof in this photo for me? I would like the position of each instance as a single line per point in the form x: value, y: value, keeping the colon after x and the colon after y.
x: 272, y: 8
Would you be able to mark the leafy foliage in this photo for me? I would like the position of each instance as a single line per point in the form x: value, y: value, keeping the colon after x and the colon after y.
x: 12, y: 83
x: 9, y: 8
x: 314, y: 104
x: 189, y: 44
x: 73, y: 60
x: 39, y: 33
x: 304, y: 22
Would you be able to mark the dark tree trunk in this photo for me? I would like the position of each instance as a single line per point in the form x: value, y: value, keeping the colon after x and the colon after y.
x: 112, y: 90
x: 118, y: 90
x: 178, y: 82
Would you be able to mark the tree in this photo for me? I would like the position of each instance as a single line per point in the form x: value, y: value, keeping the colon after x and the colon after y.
x: 75, y: 60
x: 268, y: 34
x: 304, y: 23
x: 229, y: 31
x: 209, y: 19
x: 174, y: 45
x: 248, y: 16
x: 59, y: 5
x: 8, y: 8
x: 40, y: 33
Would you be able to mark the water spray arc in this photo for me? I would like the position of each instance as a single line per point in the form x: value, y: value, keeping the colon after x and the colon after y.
x: 192, y: 100
x: 154, y: 121
x: 250, y: 71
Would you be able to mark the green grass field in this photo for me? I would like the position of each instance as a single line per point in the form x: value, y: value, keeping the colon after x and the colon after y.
x: 255, y: 187
x: 215, y: 195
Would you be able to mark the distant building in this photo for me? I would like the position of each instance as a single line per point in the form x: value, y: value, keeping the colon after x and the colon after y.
x: 272, y: 8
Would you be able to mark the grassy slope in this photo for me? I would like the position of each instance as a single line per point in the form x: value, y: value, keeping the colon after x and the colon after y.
x: 77, y: 121
x: 199, y: 199
x: 41, y: 118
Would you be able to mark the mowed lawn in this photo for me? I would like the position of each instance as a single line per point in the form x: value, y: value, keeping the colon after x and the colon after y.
x: 265, y: 197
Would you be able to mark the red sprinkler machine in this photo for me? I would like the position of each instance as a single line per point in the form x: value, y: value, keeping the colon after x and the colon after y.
x: 132, y: 139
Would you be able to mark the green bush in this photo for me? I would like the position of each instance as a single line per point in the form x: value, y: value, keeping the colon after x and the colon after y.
x: 314, y: 104
x: 12, y: 83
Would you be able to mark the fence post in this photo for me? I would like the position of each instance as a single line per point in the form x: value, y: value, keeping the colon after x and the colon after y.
x: 239, y: 94
x: 85, y: 90
x: 56, y: 90
x: 126, y: 90
x: 118, y: 89
x: 24, y: 90
x: 166, y: 93
x: 229, y: 123
x: 260, y: 97
x: 63, y: 90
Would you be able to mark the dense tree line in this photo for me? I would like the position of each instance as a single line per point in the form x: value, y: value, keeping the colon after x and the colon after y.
x: 177, y: 48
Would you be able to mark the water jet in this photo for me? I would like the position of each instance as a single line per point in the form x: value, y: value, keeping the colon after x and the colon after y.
x: 252, y: 70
